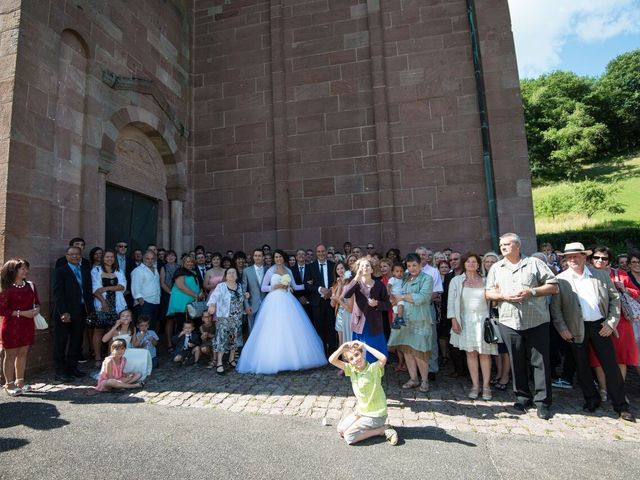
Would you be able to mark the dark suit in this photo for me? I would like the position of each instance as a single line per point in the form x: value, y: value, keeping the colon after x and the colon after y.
x: 200, y: 275
x: 302, y: 293
x: 68, y: 298
x: 322, y: 313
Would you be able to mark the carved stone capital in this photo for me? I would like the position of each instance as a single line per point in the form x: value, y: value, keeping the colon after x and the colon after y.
x: 106, y: 161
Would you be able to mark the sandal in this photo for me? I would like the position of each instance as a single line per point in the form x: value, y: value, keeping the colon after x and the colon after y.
x: 25, y: 387
x: 473, y: 394
x: 500, y: 386
x: 232, y: 364
x: 220, y: 370
x: 424, y: 386
x: 13, y: 392
x: 411, y: 384
x: 211, y: 365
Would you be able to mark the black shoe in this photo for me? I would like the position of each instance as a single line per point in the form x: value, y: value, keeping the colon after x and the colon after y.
x: 590, y: 407
x: 63, y: 378
x: 431, y: 376
x: 628, y: 416
x: 543, y: 412
x: 522, y: 407
x: 76, y: 372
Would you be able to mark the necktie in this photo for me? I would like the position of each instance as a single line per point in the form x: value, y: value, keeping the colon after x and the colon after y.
x: 78, y: 274
x: 322, y: 274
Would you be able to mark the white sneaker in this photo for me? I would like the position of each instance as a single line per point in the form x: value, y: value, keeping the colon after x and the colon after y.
x: 391, y: 436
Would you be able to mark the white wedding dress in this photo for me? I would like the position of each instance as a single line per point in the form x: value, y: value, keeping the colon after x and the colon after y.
x: 282, y: 337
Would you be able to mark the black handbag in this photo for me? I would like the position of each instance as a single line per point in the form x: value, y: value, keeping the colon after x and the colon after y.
x: 490, y: 334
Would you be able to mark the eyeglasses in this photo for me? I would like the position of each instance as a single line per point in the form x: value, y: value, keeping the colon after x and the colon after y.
x: 634, y: 262
x: 369, y: 247
x: 604, y: 259
x: 122, y: 246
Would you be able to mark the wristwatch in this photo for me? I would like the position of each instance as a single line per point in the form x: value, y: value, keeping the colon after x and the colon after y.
x: 533, y: 292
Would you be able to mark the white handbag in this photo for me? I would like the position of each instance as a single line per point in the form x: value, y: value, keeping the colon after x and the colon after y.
x: 39, y: 320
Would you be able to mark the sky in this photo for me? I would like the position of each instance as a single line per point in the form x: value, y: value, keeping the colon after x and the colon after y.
x: 577, y: 35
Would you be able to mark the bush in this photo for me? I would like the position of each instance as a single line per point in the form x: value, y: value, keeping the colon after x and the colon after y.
x: 554, y: 204
x: 619, y: 240
x: 592, y: 197
x: 587, y: 197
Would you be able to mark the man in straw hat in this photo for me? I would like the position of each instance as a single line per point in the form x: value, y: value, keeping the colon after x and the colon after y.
x: 585, y: 312
x: 520, y: 284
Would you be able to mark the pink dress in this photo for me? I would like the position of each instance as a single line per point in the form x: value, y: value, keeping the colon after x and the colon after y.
x: 117, y: 372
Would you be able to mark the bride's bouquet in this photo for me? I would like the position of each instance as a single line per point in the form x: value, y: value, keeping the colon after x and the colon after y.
x: 285, y: 280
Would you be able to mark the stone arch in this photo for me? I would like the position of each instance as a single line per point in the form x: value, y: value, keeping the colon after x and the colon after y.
x: 162, y: 134
x: 75, y: 40
x: 133, y: 123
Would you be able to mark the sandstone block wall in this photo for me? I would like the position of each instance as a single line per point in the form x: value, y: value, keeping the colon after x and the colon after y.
x: 338, y: 120
x: 66, y: 122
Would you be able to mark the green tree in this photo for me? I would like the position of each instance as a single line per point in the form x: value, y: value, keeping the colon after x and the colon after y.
x: 592, y: 197
x: 551, y: 104
x: 578, y: 141
x: 617, y: 95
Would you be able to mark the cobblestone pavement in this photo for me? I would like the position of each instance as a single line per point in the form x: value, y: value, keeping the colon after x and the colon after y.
x: 321, y: 394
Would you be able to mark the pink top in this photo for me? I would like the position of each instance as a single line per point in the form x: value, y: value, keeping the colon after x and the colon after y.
x: 117, y: 372
x: 214, y: 281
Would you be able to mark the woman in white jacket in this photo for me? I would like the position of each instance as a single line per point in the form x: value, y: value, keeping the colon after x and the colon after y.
x: 467, y: 309
x: 108, y: 285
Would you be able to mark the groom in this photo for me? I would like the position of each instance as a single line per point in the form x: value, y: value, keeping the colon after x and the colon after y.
x: 251, y: 283
x: 318, y: 278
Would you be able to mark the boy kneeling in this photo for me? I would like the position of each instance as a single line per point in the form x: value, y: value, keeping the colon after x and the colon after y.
x: 370, y: 417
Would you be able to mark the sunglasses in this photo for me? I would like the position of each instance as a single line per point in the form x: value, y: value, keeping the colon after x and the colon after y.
x: 604, y: 259
x: 122, y: 246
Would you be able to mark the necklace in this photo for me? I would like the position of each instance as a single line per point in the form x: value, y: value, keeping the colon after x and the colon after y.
x: 19, y: 286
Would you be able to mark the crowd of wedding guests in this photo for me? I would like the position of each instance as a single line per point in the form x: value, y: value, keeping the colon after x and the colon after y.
x: 559, y: 317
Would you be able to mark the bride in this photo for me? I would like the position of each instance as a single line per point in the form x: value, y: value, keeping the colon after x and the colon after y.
x: 282, y: 337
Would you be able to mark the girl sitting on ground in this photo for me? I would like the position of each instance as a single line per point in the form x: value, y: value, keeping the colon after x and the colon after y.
x: 112, y: 374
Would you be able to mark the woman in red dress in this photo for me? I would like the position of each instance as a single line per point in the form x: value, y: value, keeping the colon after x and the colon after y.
x: 624, y: 343
x: 18, y: 305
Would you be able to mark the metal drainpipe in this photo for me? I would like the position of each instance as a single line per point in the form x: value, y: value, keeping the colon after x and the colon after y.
x: 487, y: 160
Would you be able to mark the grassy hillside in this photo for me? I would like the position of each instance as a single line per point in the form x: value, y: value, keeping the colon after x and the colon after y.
x: 625, y: 171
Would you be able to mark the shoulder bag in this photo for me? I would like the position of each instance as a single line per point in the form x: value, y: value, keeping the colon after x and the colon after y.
x: 491, y: 332
x: 630, y: 307
x: 39, y: 321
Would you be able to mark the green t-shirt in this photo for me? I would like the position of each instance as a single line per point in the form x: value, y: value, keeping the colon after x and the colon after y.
x: 367, y: 388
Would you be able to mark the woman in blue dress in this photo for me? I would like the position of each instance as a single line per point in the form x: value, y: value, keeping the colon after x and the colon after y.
x: 282, y: 337
x: 369, y: 309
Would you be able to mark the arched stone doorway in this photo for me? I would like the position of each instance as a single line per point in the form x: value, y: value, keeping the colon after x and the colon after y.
x: 136, y: 206
x: 140, y: 159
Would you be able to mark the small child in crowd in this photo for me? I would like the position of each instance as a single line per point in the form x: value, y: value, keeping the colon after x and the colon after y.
x: 145, y: 338
x: 370, y: 417
x: 394, y: 286
x: 112, y: 374
x: 186, y: 344
x: 207, y: 334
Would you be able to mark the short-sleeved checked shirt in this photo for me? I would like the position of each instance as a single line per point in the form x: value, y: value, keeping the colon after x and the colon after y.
x: 509, y: 278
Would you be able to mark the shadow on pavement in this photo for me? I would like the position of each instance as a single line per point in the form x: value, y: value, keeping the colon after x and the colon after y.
x: 7, y: 444
x: 36, y: 415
